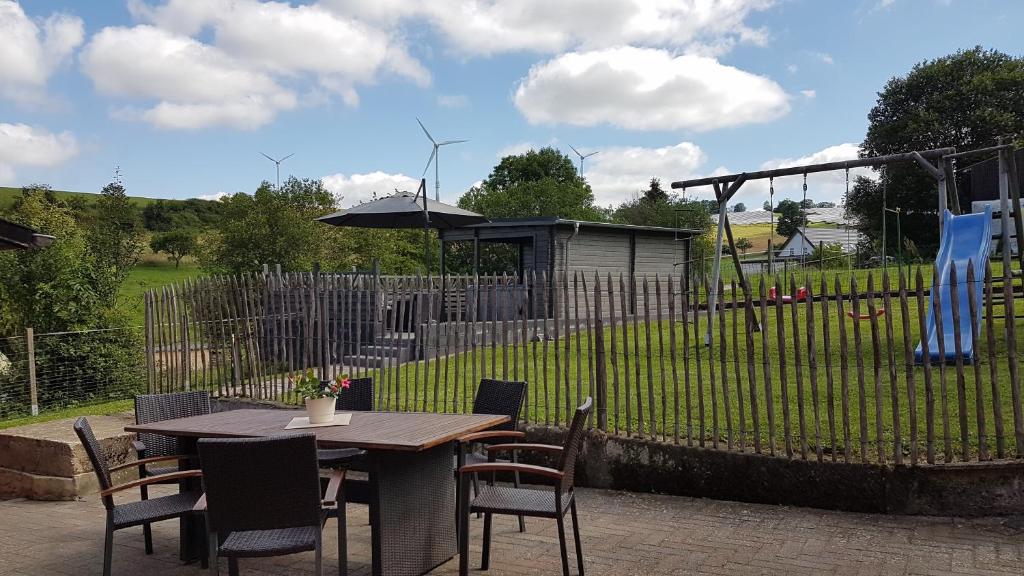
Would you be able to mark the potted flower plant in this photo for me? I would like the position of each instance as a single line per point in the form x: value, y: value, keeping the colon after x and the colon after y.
x: 320, y: 396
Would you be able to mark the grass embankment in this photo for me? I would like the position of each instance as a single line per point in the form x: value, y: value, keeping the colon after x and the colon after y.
x: 643, y: 380
x: 152, y: 271
x: 104, y: 408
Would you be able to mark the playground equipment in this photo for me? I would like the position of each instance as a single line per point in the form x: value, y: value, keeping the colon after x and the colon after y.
x: 939, y: 163
x: 801, y: 295
x: 966, y: 239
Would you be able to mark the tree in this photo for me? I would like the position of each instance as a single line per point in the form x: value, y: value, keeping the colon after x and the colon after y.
x: 739, y: 207
x: 825, y: 205
x: 744, y: 244
x: 537, y: 183
x: 767, y: 206
x: 272, y: 226
x: 807, y: 203
x: 968, y: 100
x: 176, y: 244
x: 791, y: 218
x: 654, y: 192
x: 115, y: 239
x: 830, y: 256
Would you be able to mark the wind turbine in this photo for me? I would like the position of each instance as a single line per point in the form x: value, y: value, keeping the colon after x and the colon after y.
x: 433, y: 158
x: 278, y: 163
x: 582, y: 157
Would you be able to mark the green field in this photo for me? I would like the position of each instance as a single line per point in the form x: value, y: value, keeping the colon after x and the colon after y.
x: 710, y: 406
x: 8, y: 196
x: 152, y: 271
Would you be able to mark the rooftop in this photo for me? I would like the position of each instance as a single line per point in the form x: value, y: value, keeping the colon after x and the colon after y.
x: 834, y: 215
x: 556, y: 221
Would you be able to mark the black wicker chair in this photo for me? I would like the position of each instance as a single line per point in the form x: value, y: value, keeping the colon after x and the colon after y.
x: 156, y: 408
x: 359, y: 397
x: 545, y: 503
x: 494, y: 397
x: 142, y: 512
x: 263, y: 498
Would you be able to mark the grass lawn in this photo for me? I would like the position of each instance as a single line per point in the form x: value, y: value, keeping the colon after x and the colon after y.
x: 9, y: 194
x: 714, y: 400
x: 152, y: 271
x: 105, y: 408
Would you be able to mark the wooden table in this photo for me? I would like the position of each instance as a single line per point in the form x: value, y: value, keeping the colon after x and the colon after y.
x: 411, y: 469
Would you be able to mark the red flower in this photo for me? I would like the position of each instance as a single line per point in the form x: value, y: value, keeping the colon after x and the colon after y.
x: 345, y: 383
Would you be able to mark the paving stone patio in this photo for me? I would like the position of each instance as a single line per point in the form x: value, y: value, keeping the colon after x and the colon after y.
x: 623, y: 533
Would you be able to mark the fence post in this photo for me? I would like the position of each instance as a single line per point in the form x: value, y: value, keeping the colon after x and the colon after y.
x: 599, y: 358
x: 30, y: 342
x: 186, y: 354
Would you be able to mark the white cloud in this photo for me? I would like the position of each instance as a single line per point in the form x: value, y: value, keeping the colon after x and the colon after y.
x: 792, y: 68
x: 214, y: 196
x: 350, y: 190
x: 30, y: 53
x: 487, y: 27
x: 823, y: 57
x: 809, y: 94
x: 618, y: 174
x: 239, y: 63
x: 24, y: 145
x: 646, y: 89
x: 453, y: 100
x: 516, y: 149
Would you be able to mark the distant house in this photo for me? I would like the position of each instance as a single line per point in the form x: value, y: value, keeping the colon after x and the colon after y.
x: 805, y: 241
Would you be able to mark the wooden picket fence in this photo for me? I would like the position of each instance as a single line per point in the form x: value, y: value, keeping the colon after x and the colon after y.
x: 832, y: 377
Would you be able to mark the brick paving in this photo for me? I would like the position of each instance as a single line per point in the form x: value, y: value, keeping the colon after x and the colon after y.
x: 623, y: 534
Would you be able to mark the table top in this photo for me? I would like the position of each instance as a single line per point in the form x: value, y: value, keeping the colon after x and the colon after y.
x: 408, y: 431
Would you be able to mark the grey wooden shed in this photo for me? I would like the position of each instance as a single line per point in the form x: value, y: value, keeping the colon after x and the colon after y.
x: 559, y: 245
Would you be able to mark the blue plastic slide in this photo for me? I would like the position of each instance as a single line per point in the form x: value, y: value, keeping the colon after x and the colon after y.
x: 966, y: 238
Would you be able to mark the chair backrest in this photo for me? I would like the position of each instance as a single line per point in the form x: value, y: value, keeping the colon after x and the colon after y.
x: 260, y: 483
x: 359, y: 395
x: 500, y: 397
x: 160, y: 407
x: 574, y: 443
x: 96, y: 457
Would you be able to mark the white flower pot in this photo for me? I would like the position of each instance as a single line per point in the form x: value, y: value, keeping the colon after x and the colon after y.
x: 320, y: 410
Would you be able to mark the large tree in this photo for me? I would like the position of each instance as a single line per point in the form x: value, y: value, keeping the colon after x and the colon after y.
x: 115, y: 239
x: 271, y: 226
x: 967, y: 100
x: 791, y: 217
x: 537, y: 183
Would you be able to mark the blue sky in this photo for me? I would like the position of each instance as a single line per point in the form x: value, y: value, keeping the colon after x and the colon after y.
x: 184, y: 95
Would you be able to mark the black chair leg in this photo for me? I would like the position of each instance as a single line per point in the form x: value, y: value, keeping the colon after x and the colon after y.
x: 561, y: 544
x: 232, y: 566
x: 515, y: 482
x: 147, y: 529
x: 476, y: 489
x: 108, y: 549
x: 485, y: 558
x: 576, y: 535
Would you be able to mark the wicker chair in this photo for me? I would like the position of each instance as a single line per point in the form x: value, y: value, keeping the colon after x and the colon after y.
x: 545, y: 503
x: 142, y: 512
x: 263, y: 498
x: 156, y: 408
x: 359, y: 397
x: 494, y: 397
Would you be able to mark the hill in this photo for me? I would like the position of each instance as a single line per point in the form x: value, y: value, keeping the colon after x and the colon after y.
x: 8, y: 194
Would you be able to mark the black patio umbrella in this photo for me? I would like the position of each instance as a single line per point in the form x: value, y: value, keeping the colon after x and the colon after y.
x: 405, y: 210
x: 17, y: 237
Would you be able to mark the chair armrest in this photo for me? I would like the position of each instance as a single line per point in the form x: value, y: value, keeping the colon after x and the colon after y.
x: 511, y: 467
x: 534, y: 447
x: 139, y: 447
x: 335, y: 480
x: 181, y: 475
x: 200, y: 504
x: 150, y: 460
x: 477, y: 436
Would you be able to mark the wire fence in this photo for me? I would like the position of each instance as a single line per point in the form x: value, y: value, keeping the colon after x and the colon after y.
x: 45, y: 372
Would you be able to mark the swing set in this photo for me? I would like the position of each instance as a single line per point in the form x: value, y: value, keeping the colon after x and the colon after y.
x: 938, y: 163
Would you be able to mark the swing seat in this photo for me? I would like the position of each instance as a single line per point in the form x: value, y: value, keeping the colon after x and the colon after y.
x: 878, y: 313
x: 801, y: 295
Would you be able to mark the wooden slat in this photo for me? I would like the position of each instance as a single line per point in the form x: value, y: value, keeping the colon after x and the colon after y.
x: 1011, y: 356
x: 736, y: 371
x: 755, y: 416
x: 926, y: 363
x: 546, y: 315
x: 908, y: 360
x: 626, y: 384
x: 958, y: 349
x: 844, y: 372
x: 993, y: 367
x: 890, y: 345
x: 651, y: 405
x: 697, y: 345
x: 876, y: 355
x: 780, y: 328
x: 556, y: 312
x: 767, y: 368
x: 979, y: 396
x: 712, y: 378
x: 673, y: 352
x: 577, y: 337
x: 723, y: 358
x: 826, y: 340
x: 798, y: 365
x: 663, y: 379
x: 614, y: 352
x: 947, y: 439
x: 684, y: 305
x: 862, y: 405
x: 812, y: 368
